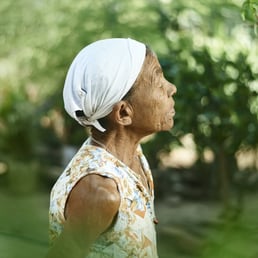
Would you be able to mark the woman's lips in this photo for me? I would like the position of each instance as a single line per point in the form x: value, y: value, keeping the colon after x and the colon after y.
x: 172, y: 112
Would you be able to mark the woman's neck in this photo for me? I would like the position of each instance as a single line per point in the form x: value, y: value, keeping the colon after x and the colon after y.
x: 120, y: 144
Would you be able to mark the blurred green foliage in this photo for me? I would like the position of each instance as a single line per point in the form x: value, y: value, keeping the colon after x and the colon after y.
x: 17, y: 118
x: 250, y: 13
x: 204, y: 47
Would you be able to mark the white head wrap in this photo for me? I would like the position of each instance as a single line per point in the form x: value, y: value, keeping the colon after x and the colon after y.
x: 100, y: 76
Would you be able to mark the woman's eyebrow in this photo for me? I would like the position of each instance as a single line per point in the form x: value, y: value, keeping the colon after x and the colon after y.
x: 158, y: 70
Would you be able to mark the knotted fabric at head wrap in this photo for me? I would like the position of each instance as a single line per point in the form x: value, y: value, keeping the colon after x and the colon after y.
x: 100, y: 76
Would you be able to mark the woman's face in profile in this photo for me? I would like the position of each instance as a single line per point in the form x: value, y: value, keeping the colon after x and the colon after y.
x: 152, y: 99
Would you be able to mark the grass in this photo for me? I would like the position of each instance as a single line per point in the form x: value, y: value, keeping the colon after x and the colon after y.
x: 24, y: 229
x: 235, y: 239
x: 23, y: 225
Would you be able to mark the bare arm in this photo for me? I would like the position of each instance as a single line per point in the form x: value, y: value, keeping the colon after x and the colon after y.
x: 90, y: 210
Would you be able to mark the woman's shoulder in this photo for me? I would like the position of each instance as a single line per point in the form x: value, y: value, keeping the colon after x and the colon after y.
x: 92, y: 159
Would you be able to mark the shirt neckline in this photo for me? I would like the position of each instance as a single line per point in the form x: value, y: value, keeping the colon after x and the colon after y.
x: 139, y: 184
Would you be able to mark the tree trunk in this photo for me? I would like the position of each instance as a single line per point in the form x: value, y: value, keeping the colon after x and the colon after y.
x: 224, y: 180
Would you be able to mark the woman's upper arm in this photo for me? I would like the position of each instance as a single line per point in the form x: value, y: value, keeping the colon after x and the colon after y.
x: 93, y: 204
x: 90, y: 210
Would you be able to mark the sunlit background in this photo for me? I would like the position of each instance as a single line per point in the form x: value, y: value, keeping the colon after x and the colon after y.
x: 205, y: 169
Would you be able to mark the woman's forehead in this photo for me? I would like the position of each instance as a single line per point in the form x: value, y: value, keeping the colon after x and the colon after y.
x: 153, y: 66
x: 151, y: 61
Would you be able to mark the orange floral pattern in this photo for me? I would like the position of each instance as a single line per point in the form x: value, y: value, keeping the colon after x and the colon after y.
x: 133, y: 233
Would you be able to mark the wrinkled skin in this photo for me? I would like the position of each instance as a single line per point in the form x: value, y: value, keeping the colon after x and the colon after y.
x: 152, y: 100
x: 94, y: 202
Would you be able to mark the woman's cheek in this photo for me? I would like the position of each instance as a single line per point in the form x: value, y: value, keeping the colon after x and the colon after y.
x: 167, y: 122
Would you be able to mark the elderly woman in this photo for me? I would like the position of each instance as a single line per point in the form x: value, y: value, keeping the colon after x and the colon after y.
x: 102, y: 204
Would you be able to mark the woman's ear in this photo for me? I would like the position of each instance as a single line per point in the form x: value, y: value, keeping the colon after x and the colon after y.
x: 123, y: 113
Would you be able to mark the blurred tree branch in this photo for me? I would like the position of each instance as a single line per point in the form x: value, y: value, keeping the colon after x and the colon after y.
x: 250, y: 13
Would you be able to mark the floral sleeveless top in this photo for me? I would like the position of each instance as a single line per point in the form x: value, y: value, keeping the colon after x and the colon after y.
x: 133, y: 232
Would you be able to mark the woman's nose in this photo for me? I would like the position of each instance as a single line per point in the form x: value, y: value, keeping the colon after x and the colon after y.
x: 172, y: 89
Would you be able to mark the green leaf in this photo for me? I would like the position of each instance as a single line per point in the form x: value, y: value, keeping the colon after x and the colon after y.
x: 249, y: 11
